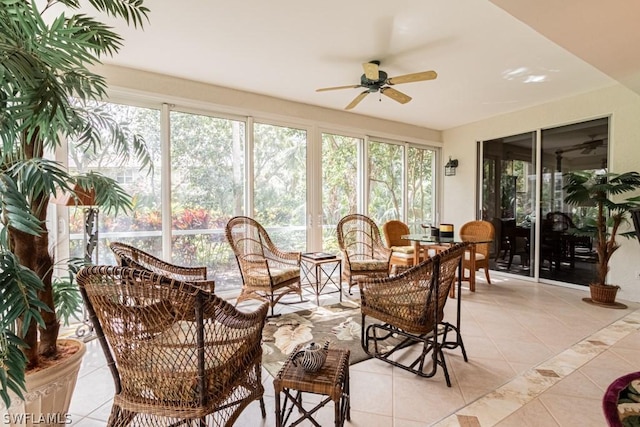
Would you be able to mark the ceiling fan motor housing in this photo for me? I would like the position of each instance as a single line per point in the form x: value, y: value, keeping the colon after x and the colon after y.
x: 374, y: 85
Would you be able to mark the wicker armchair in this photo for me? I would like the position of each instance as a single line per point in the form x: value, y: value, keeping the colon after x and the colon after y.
x: 178, y: 354
x: 478, y: 230
x: 129, y: 256
x: 363, y: 254
x: 267, y: 272
x: 409, y: 309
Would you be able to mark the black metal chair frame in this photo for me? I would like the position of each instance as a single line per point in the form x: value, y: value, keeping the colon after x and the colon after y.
x: 374, y: 335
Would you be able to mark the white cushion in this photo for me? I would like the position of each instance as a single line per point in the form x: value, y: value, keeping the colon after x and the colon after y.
x: 403, y: 249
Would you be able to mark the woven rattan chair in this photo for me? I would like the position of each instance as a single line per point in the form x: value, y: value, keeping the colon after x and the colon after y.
x: 478, y: 230
x: 130, y: 256
x: 267, y: 272
x: 363, y: 254
x: 402, y: 251
x: 409, y: 309
x: 178, y: 355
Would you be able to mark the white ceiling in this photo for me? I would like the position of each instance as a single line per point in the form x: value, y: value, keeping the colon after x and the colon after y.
x: 487, y: 62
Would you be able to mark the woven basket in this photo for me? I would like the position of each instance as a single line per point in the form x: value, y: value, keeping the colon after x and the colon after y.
x: 603, y: 294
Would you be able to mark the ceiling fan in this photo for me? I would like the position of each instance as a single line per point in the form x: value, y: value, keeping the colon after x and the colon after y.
x: 374, y: 80
x: 586, y: 147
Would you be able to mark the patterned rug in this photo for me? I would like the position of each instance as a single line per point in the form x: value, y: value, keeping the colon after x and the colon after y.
x: 339, y: 323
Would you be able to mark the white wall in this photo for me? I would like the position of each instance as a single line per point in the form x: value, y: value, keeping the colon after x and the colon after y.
x: 618, y: 102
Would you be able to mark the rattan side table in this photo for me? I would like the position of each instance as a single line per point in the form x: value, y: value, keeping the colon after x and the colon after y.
x: 332, y: 381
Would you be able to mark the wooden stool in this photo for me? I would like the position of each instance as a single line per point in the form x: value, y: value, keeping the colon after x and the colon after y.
x: 332, y: 381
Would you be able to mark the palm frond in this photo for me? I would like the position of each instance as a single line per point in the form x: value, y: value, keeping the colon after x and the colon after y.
x: 14, y: 363
x: 133, y: 11
x: 110, y: 196
x: 19, y: 289
x: 67, y: 298
x: 14, y: 208
x: 101, y: 129
x: 39, y: 176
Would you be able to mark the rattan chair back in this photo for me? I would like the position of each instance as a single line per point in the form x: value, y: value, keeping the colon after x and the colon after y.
x: 267, y: 272
x: 393, y: 231
x: 176, y: 352
x: 363, y: 253
x: 409, y: 305
x: 130, y: 256
x: 479, y: 229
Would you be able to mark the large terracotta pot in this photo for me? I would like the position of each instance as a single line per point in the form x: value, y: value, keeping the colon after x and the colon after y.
x: 48, y: 396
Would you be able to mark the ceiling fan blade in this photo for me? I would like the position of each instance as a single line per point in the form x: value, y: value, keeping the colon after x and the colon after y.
x: 337, y: 87
x: 414, y: 77
x: 371, y: 70
x: 357, y: 100
x: 395, y: 95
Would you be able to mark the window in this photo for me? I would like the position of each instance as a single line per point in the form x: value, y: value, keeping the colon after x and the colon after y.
x: 280, y: 184
x: 420, y: 187
x: 143, y: 226
x: 207, y: 189
x: 385, y: 181
x: 339, y: 184
x: 214, y: 176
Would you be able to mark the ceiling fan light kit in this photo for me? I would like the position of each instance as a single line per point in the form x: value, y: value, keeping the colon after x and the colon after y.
x: 376, y: 80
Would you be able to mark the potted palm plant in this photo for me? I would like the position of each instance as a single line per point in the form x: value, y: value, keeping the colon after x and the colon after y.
x: 48, y: 94
x: 603, y: 190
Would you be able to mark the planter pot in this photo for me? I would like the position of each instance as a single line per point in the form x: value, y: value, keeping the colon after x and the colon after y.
x: 603, y: 294
x: 48, y: 394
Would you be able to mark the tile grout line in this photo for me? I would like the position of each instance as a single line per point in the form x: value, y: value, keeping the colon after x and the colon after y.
x: 508, y: 398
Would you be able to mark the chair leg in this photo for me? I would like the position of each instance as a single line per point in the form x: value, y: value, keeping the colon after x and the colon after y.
x: 486, y: 274
x: 262, y: 408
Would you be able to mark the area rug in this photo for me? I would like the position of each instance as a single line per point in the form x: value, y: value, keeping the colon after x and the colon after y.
x: 339, y: 323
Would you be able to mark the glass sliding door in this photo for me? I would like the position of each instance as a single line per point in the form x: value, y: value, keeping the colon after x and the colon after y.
x: 508, y: 201
x: 207, y: 189
x: 564, y: 256
x: 510, y: 186
x: 339, y: 184
x: 280, y: 184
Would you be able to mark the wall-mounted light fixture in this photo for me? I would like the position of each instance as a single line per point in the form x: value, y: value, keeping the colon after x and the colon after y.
x: 450, y: 167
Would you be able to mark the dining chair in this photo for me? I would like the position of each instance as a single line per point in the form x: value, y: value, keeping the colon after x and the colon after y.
x: 268, y: 273
x: 130, y: 256
x: 178, y: 355
x: 402, y: 250
x: 363, y: 253
x: 482, y: 230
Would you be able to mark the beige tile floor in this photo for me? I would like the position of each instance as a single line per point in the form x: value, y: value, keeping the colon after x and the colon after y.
x: 538, y: 356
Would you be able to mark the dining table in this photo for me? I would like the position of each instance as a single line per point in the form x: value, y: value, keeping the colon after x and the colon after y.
x: 439, y: 245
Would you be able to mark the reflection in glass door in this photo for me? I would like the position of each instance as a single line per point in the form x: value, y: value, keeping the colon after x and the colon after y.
x: 564, y: 256
x: 510, y: 185
x: 508, y: 201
